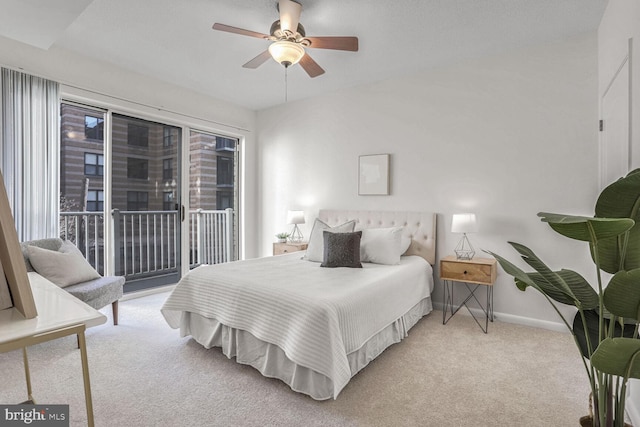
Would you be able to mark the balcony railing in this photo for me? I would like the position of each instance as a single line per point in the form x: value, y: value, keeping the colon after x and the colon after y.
x: 146, y: 243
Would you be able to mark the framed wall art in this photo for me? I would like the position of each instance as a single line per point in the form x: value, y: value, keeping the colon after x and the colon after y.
x: 12, y: 261
x: 373, y: 175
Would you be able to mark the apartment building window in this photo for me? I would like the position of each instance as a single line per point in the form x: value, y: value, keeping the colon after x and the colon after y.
x: 95, y: 200
x: 137, y: 168
x: 224, y: 200
x: 167, y: 169
x: 94, y: 128
x: 169, y: 136
x: 224, y: 172
x: 168, y: 203
x: 137, y: 135
x: 225, y: 144
x: 93, y: 164
x: 137, y: 200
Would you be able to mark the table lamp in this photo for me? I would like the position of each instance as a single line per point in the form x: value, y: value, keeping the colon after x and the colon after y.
x: 295, y: 218
x: 464, y: 223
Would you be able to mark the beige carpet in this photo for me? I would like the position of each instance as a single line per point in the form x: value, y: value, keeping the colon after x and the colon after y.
x: 144, y: 374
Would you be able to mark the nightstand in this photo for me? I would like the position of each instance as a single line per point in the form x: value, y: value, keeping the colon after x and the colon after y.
x: 472, y: 274
x: 285, y: 248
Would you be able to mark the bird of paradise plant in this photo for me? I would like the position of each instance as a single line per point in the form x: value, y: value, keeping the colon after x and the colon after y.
x: 605, y: 326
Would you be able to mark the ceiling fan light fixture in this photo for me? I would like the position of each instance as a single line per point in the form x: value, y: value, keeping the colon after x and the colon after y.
x: 286, y: 53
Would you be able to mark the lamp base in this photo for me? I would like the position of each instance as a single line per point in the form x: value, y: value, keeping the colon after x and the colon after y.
x: 464, y: 250
x: 296, y: 235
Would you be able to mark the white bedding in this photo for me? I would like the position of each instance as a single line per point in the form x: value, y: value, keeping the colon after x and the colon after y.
x: 317, y: 316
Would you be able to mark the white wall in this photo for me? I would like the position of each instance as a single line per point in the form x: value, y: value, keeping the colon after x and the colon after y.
x: 621, y: 22
x: 128, y: 91
x: 504, y: 137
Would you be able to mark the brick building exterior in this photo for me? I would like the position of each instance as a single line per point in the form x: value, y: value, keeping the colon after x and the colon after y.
x: 145, y: 164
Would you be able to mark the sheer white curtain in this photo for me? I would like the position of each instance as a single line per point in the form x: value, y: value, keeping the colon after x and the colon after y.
x: 29, y: 152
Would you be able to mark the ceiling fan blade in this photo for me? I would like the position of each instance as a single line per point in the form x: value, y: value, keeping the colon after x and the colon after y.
x: 258, y: 60
x: 337, y: 43
x: 310, y: 66
x: 289, y: 15
x: 241, y: 31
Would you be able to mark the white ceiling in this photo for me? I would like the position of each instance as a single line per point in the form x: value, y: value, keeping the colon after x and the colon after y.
x: 172, y: 39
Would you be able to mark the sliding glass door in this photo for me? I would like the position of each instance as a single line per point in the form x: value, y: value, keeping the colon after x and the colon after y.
x: 82, y: 180
x: 145, y: 201
x: 121, y: 202
x: 213, y: 198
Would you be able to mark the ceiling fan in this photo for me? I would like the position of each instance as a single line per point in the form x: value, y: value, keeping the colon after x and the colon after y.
x: 290, y: 40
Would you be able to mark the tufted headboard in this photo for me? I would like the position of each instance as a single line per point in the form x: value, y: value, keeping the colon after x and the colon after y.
x: 419, y: 226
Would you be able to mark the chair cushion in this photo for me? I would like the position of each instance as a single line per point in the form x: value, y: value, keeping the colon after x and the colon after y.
x: 98, y: 292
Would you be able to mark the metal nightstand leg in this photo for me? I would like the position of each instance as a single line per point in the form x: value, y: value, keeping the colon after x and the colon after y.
x: 448, y: 303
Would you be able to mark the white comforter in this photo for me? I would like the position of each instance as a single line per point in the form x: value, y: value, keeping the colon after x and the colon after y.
x: 316, y: 315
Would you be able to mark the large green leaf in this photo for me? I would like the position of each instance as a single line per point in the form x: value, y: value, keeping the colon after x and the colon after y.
x: 592, y: 318
x: 564, y: 286
x: 582, y: 294
x: 621, y: 199
x: 586, y: 229
x: 522, y: 279
x: 622, y: 295
x: 618, y: 356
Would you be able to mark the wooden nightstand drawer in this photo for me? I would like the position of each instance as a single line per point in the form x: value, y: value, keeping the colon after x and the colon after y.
x: 285, y: 248
x: 478, y: 270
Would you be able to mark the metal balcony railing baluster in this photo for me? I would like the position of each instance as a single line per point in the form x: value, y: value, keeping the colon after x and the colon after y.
x: 146, y: 242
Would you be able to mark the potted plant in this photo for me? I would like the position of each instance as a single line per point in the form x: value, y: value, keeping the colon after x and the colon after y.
x: 282, y: 237
x: 605, y: 326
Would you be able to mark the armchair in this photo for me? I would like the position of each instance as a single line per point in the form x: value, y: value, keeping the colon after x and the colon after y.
x: 96, y: 293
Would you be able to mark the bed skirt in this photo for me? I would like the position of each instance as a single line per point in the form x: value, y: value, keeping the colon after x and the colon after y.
x: 272, y: 361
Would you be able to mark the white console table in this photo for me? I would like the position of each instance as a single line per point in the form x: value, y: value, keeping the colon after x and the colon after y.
x: 59, y: 314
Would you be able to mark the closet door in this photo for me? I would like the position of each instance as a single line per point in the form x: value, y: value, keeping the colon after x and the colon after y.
x: 615, y: 137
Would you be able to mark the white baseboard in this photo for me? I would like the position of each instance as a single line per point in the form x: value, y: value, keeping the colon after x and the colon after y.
x: 145, y: 292
x: 512, y: 318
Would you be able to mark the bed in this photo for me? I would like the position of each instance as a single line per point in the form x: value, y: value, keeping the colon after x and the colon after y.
x: 312, y: 327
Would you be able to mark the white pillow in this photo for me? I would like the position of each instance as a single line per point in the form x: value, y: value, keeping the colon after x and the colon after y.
x: 405, y: 242
x: 315, y: 249
x: 65, y: 267
x: 381, y: 245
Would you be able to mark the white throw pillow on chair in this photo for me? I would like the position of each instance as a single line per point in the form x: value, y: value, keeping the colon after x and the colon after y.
x: 64, y: 267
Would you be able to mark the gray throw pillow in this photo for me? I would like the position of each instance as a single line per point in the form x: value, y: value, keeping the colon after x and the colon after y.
x: 341, y: 249
x: 65, y: 267
x: 315, y: 249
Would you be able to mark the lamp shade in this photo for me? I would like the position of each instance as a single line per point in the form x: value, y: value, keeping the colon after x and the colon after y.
x: 464, y: 223
x: 295, y: 217
x: 286, y: 53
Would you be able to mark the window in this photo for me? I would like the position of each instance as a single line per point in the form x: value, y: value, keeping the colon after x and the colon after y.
x: 137, y: 168
x: 95, y: 200
x: 137, y: 135
x: 225, y: 144
x: 169, y: 136
x: 225, y: 171
x: 137, y: 200
x: 167, y: 169
x: 94, y: 128
x: 167, y: 201
x: 93, y: 164
x: 224, y: 200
